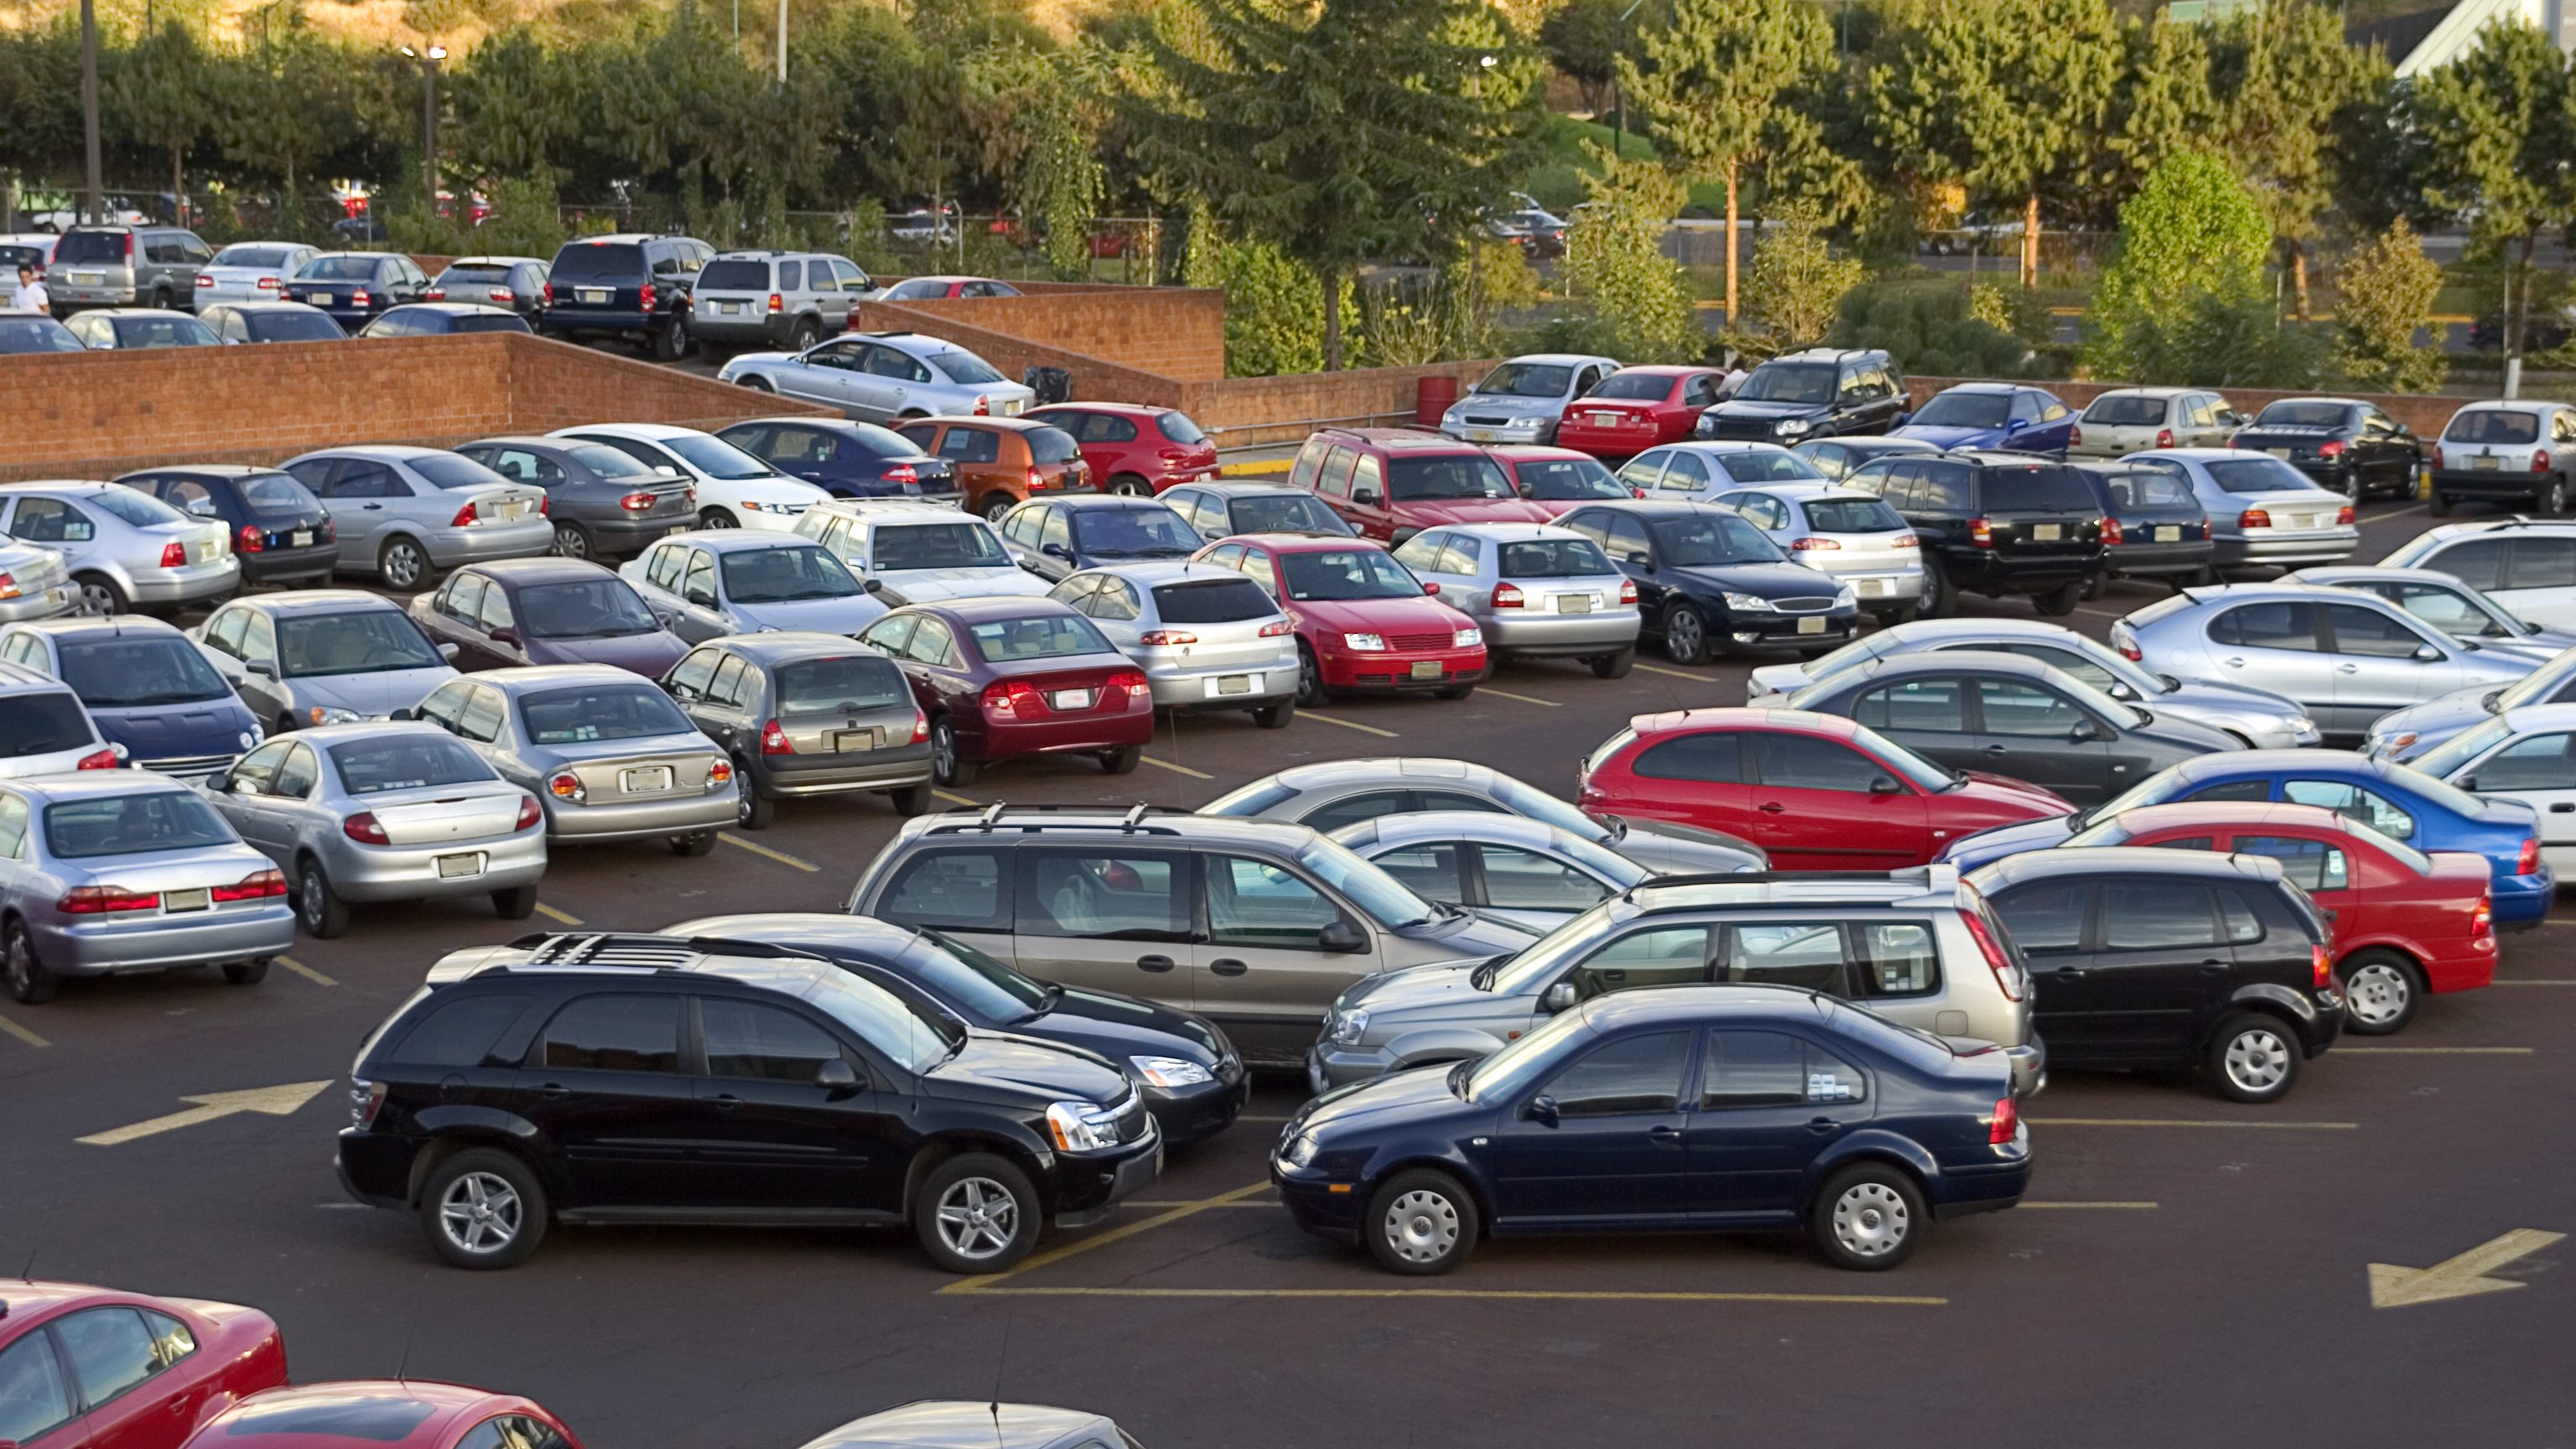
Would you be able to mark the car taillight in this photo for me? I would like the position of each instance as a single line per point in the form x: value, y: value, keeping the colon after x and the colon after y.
x: 359, y: 298
x: 502, y: 296
x: 464, y: 516
x: 2164, y: 437
x: 2437, y: 458
x: 365, y: 829
x: 99, y: 760
x: 174, y: 555
x: 2330, y: 448
x: 2320, y: 967
x: 2125, y: 641
x: 1037, y: 480
x: 565, y: 785
x: 920, y: 727
x: 902, y: 473
x: 1130, y: 680
x: 2112, y: 537
x: 647, y: 296
x: 1802, y: 545
x: 129, y: 246
x: 1905, y: 540
x: 1165, y: 638
x: 2007, y: 975
x: 2528, y: 863
x: 1636, y: 492
x: 271, y: 284
x: 1627, y: 591
x: 8, y: 586
x: 529, y: 812
x: 91, y: 900
x: 550, y: 294
x: 259, y: 885
x: 1981, y: 533
x: 720, y: 773
x: 330, y: 531
x: 774, y: 741
x: 1507, y: 596
x: 2482, y: 919
x: 205, y: 281
x: 2006, y: 1123
x: 2540, y: 461
x: 775, y: 305
x: 250, y: 539
x: 636, y: 502
x: 2344, y: 514
x: 983, y: 406
x: 366, y: 1099
x: 2075, y: 436
x: 434, y: 294
x: 1011, y: 699
x: 2256, y: 518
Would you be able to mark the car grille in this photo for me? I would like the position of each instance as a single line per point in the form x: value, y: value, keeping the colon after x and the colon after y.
x: 1476, y: 422
x: 1746, y: 430
x: 187, y: 766
x: 1131, y: 1118
x: 1805, y: 605
x: 1420, y: 641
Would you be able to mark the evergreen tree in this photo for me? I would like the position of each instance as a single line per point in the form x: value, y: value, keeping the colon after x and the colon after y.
x: 2497, y: 130
x: 158, y: 97
x: 2290, y: 83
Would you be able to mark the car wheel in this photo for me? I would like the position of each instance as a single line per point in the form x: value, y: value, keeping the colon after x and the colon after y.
x: 96, y: 596
x: 1614, y: 666
x: 1122, y: 760
x: 2353, y: 488
x: 1310, y: 678
x: 753, y: 810
x: 1129, y: 485
x: 1685, y: 635
x: 318, y: 907
x: 246, y: 973
x: 808, y: 332
x: 2253, y: 1059
x: 515, y: 904
x: 672, y: 343
x: 30, y: 984
x: 1420, y: 1223
x: 911, y: 800
x: 995, y: 505
x: 571, y: 541
x: 713, y: 517
x: 2380, y: 992
x: 695, y: 843
x: 976, y: 1213
x: 2439, y: 505
x: 2093, y: 587
x: 2059, y: 602
x: 2554, y: 498
x: 948, y: 763
x: 483, y: 1208
x: 1939, y: 601
x: 1901, y: 614
x: 1869, y: 1217
x: 756, y: 384
x: 1276, y: 715
x: 402, y: 564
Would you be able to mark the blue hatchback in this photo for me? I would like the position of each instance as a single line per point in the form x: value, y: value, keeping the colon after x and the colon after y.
x: 2396, y: 800
x: 1757, y: 1107
x: 145, y: 686
x: 1992, y: 415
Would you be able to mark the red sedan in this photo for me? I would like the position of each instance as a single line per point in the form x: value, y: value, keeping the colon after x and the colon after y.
x: 1637, y: 408
x: 1002, y: 677
x: 1817, y: 791
x: 2405, y: 923
x: 95, y: 1368
x: 1364, y: 622
x: 1560, y: 479
x: 1134, y: 450
x: 385, y: 1414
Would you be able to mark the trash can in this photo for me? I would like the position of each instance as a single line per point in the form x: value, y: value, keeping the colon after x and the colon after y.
x: 1051, y: 384
x: 1432, y: 398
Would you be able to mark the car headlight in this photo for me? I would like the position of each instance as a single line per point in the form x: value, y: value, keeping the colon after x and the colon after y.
x: 1706, y: 427
x: 1170, y: 1071
x: 1749, y: 604
x: 1348, y: 1027
x: 1300, y: 1150
x: 323, y: 714
x: 1365, y: 643
x: 1791, y: 427
x: 249, y: 741
x: 1082, y: 1127
x: 1844, y: 597
x: 1467, y: 638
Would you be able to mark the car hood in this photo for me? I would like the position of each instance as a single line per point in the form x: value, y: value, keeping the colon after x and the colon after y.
x: 2190, y: 734
x: 1396, y: 1099
x: 740, y: 360
x: 923, y: 586
x: 645, y: 654
x: 1048, y: 1072
x: 1985, y: 847
x: 2206, y: 694
x: 2539, y: 647
x: 1120, y: 1026
x: 1487, y: 406
x: 829, y: 616
x: 1950, y: 437
x: 1670, y: 848
x: 1763, y: 580
x: 162, y: 731
x: 372, y: 695
x: 1379, y: 616
x: 1470, y: 935
x: 1476, y: 510
x: 1420, y: 990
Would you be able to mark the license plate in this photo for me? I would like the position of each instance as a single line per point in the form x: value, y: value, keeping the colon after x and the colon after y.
x: 2047, y: 532
x: 1876, y: 588
x: 1605, y: 420
x: 1426, y: 669
x: 591, y: 294
x: 1234, y: 684
x: 1574, y: 603
x: 2278, y: 452
x: 1069, y: 699
x: 649, y: 780
x: 303, y: 538
x: 88, y: 279
x: 196, y: 900
x: 1812, y: 625
x: 318, y: 299
x: 851, y: 742
x: 730, y: 309
x: 2168, y: 533
x: 459, y: 867
x: 1482, y: 435
x: 511, y: 509
x: 2487, y: 464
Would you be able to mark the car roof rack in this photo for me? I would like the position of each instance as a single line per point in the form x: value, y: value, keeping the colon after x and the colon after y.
x: 1926, y: 879
x: 1002, y: 814
x: 638, y: 950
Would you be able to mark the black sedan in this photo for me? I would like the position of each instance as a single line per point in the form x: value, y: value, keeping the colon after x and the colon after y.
x: 281, y: 533
x: 846, y: 459
x: 1755, y: 1107
x: 2348, y: 447
x: 605, y: 504
x: 1709, y: 581
x: 270, y: 322
x: 1190, y: 1076
x: 2017, y: 716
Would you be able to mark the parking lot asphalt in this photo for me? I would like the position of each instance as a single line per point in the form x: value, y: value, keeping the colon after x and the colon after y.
x: 2186, y: 1270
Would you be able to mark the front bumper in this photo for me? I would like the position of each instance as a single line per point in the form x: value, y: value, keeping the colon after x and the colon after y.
x: 891, y: 768
x: 1403, y: 669
x: 1089, y: 1186
x: 1604, y: 630
x: 640, y: 819
x: 1192, y: 1114
x: 209, y: 580
x: 101, y: 946
x: 1312, y: 1201
x: 519, y: 538
x: 411, y: 873
x: 1786, y: 631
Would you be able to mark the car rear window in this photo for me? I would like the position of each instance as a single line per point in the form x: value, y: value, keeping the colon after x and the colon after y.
x: 600, y: 712
x: 610, y: 464
x: 2258, y: 475
x: 840, y: 682
x: 382, y: 1421
x: 140, y: 509
x: 410, y: 761
x: 477, y: 276
x: 2145, y: 489
x: 42, y: 723
x: 13, y: 256
x: 935, y: 546
x: 36, y: 334
x: 2126, y: 411
x: 277, y: 493
x: 339, y: 269
x: 1635, y: 386
x: 1852, y: 515
x: 446, y: 471
x: 1052, y: 445
x: 1213, y: 601
x: 964, y: 367
x: 133, y: 825
x: 739, y: 275
x: 1009, y: 641
x: 2045, y: 489
x: 293, y: 327
x: 1455, y: 475
x: 137, y: 333
x: 2493, y: 425
x: 1178, y: 428
x: 489, y: 322
x: 2305, y: 415
x: 1555, y: 558
x: 594, y: 261
x: 239, y: 255
x: 91, y: 247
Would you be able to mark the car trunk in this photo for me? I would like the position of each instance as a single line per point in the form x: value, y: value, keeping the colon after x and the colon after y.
x: 2292, y: 510
x: 438, y: 814
x: 2292, y: 442
x: 502, y: 504
x: 1564, y: 596
x: 182, y: 880
x: 200, y: 542
x: 849, y: 731
x: 1218, y: 646
x: 1614, y: 417
x: 1066, y: 692
x: 616, y: 771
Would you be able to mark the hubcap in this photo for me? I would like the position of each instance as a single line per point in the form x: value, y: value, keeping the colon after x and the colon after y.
x: 1871, y: 1220
x: 312, y: 896
x: 569, y: 543
x: 402, y: 566
x: 2377, y: 993
x: 943, y: 749
x: 2258, y: 1059
x: 978, y: 1217
x: 22, y: 961
x: 745, y: 793
x: 1685, y: 633
x: 481, y: 1212
x: 97, y: 600
x: 1421, y: 1226
x: 715, y: 518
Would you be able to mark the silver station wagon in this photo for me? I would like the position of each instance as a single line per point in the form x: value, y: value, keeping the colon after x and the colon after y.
x: 1536, y: 590
x: 1208, y: 638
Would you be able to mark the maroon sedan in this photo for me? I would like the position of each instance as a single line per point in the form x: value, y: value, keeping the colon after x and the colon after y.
x: 1006, y: 677
x: 95, y: 1368
x: 545, y: 611
x: 1134, y: 450
x: 385, y: 1414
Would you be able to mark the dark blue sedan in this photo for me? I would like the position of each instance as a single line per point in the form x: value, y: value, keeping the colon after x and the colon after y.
x: 2396, y: 800
x: 146, y: 687
x: 846, y: 459
x: 1992, y: 415
x: 1676, y: 1108
x: 356, y: 287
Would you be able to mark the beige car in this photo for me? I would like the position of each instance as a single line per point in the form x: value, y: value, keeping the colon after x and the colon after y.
x: 2135, y: 419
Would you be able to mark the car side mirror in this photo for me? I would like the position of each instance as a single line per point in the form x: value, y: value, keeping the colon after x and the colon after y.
x: 506, y: 636
x: 2120, y: 691
x: 1902, y: 418
x: 2084, y: 731
x: 1885, y: 785
x: 664, y: 617
x: 873, y: 586
x: 1559, y: 997
x: 448, y: 652
x: 1341, y: 936
x: 2427, y: 654
x: 1542, y: 1110
x: 1056, y: 550
x: 1367, y: 498
x: 265, y: 668
x: 2467, y: 782
x: 1430, y: 588
x: 403, y: 715
x: 837, y: 1078
x: 701, y: 598
x: 1636, y: 558
x: 222, y: 783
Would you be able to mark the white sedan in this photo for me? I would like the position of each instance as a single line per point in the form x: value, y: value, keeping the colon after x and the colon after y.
x: 735, y: 489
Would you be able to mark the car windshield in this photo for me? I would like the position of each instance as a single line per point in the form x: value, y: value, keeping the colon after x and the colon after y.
x: 604, y: 608
x: 1554, y: 558
x: 1567, y: 480
x: 145, y: 669
x: 357, y: 268
x: 93, y: 247
x: 2305, y: 415
x: 36, y: 334
x: 1379, y: 896
x: 1635, y: 386
x: 1768, y: 465
x: 1789, y: 383
x: 43, y: 724
x: 2539, y: 684
x: 880, y: 1019
x: 935, y: 546
x: 448, y: 471
x: 2258, y: 475
x: 976, y: 981
x: 138, y: 824
x: 2126, y: 410
x: 840, y: 684
x: 1526, y: 379
x: 1048, y: 636
x: 717, y: 458
x: 2463, y: 747
x: 410, y: 761
x: 136, y: 333
x: 2493, y: 425
x: 589, y: 712
x: 277, y: 494
x: 1518, y: 1065
x: 1851, y: 515
x: 301, y: 324
x: 1152, y: 531
x: 963, y: 366
x: 1707, y: 539
x: 1457, y: 475
x: 1538, y: 805
x: 364, y: 641
x: 1335, y: 575
x: 611, y: 465
x: 1965, y: 410
x: 785, y: 575
x: 140, y: 509
x: 253, y: 254
x: 1051, y: 445
x: 1283, y: 513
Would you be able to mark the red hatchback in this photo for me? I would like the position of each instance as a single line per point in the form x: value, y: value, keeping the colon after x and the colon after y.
x: 1364, y: 622
x: 1016, y: 676
x: 1390, y: 484
x: 1560, y: 479
x: 2405, y: 923
x: 1134, y: 450
x: 385, y: 1414
x: 95, y: 1368
x: 1637, y: 408
x: 1817, y: 791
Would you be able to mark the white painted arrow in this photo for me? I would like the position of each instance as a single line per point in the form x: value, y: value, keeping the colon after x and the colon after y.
x: 275, y: 1101
x: 2462, y: 1277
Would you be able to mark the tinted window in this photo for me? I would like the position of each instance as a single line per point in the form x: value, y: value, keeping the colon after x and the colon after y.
x: 1715, y: 757
x: 592, y: 261
x: 2543, y: 563
x: 843, y: 683
x: 142, y: 669
x: 2258, y: 475
x: 1525, y: 880
x: 300, y: 326
x: 2047, y: 915
x: 1281, y: 513
x: 2492, y: 425
x: 1915, y: 704
x: 1149, y: 532
x: 1753, y: 1069
x: 1355, y: 809
x: 935, y: 546
x: 1765, y: 465
x: 1639, y: 1074
x: 406, y: 762
x: 36, y: 334
x: 2367, y: 806
x: 382, y: 1421
x: 1103, y: 894
x: 614, y: 1034
x: 2304, y: 415
x: 2278, y: 625
x: 91, y: 247
x: 2126, y: 410
x: 1852, y: 515
x: 1804, y: 953
x: 1344, y: 574
x: 2154, y: 915
x: 1216, y: 601
x: 604, y: 712
x: 959, y: 889
x: 42, y: 723
x: 1051, y: 445
x: 2027, y: 710
x: 1804, y: 762
x: 1255, y: 903
x: 746, y: 1039
x: 1898, y: 958
x: 2040, y: 490
x: 1705, y: 539
x: 111, y: 1350
x: 133, y: 825
x: 2479, y: 563
x: 1566, y: 479
x: 2308, y: 864
x: 1461, y: 475
x: 2370, y: 634
x: 277, y: 493
x: 459, y: 1033
x: 33, y: 1396
x: 784, y: 575
x: 1789, y: 382
x: 735, y: 276
x: 589, y: 609
x: 1554, y: 558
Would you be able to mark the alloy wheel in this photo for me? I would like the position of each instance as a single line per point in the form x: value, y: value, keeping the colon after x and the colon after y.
x: 481, y: 1212
x: 1686, y: 634
x: 1421, y: 1226
x: 97, y: 600
x: 1871, y: 1220
x: 746, y: 795
x: 571, y: 542
x: 402, y: 565
x: 978, y: 1218
x: 309, y: 899
x: 2258, y: 1059
x: 943, y: 750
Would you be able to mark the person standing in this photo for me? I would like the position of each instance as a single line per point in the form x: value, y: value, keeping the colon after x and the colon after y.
x: 30, y: 295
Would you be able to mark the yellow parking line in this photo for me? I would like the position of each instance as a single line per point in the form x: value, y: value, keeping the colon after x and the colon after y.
x: 22, y: 1034
x: 953, y: 798
x: 2435, y: 1051
x: 1675, y: 673
x: 307, y: 972
x: 1178, y: 769
x: 1346, y: 724
x: 560, y: 918
x: 2186, y: 1122
x: 782, y: 857
x: 982, y: 1282
x: 1523, y: 698
x: 1541, y: 1295
x: 1268, y: 1202
x: 2094, y: 1206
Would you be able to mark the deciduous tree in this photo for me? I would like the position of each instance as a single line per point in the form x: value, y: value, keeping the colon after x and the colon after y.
x: 2193, y: 231
x: 2498, y: 132
x: 2384, y: 298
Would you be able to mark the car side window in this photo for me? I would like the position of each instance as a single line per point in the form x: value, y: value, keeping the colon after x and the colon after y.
x: 1715, y: 757
x: 2056, y: 657
x: 1942, y: 487
x: 1422, y: 551
x: 2478, y: 562
x: 664, y: 571
x: 970, y: 445
x: 698, y: 581
x: 2370, y: 634
x: 888, y: 636
x: 1429, y: 870
x: 2025, y: 407
x: 1352, y: 809
x: 1808, y: 954
x: 2010, y: 707
x: 612, y: 1033
x: 1335, y: 481
x: 1254, y: 903
x: 2308, y: 864
x: 2367, y: 806
x: 1103, y: 894
x: 1805, y: 762
x: 1642, y: 470
x: 442, y: 707
x: 1897, y: 958
x: 224, y: 632
x: 730, y: 686
x: 1937, y: 706
x: 1517, y: 879
x: 2543, y: 563
x: 462, y: 599
x: 1620, y: 1078
x: 1368, y: 480
x: 486, y: 1435
x: 951, y: 890
x: 2156, y: 915
x: 480, y: 719
x: 2535, y: 762
x: 296, y: 774
x: 255, y: 772
x: 13, y: 846
x: 1258, y: 567
x: 2272, y: 625
x: 111, y: 1350
x: 2259, y: 788
x: 1683, y: 472
x: 689, y: 677
x: 1116, y: 600
x: 920, y: 435
x: 34, y: 1398
x: 762, y: 1043
x: 2047, y: 916
x: 259, y: 640
x: 1658, y: 956
x: 495, y: 614
x: 1057, y: 532
x: 1626, y: 541
x: 51, y: 520
x: 931, y: 643
x: 1746, y: 1069
x: 1020, y: 525
x: 1309, y: 464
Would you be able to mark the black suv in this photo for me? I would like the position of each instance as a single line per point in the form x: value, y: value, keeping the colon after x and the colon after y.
x: 1708, y: 580
x: 637, y: 288
x: 662, y: 1079
x: 2170, y: 958
x: 1820, y: 393
x: 1994, y: 524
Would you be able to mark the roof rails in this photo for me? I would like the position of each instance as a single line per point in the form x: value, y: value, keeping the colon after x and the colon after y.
x: 1002, y: 813
x: 638, y: 950
x: 1929, y: 879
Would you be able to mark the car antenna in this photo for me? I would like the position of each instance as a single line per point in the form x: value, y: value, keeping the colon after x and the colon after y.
x: 999, y: 1359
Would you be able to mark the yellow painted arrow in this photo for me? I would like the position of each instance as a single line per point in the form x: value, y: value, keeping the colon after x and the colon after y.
x: 275, y: 1101
x: 2462, y: 1277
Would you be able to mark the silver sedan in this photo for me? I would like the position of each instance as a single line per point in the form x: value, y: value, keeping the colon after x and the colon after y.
x: 1208, y: 638
x: 384, y: 812
x: 321, y: 656
x: 1850, y: 536
x: 117, y: 872
x: 123, y: 548
x: 2441, y: 600
x: 607, y: 755
x: 2262, y: 512
x: 1537, y: 591
x: 1526, y: 871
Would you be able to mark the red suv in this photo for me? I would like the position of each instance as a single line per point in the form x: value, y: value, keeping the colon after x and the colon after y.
x: 1391, y: 484
x: 999, y: 677
x: 1134, y: 450
x: 95, y: 1368
x: 1637, y: 408
x: 1363, y: 620
x: 1817, y: 791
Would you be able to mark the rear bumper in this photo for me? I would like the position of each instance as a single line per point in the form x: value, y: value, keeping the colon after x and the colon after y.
x: 1195, y: 686
x: 640, y: 819
x: 2148, y: 560
x: 2481, y: 483
x: 519, y: 538
x: 105, y: 947
x: 1984, y: 1187
x: 1607, y: 443
x: 892, y: 768
x: 749, y: 325
x: 375, y: 1167
x: 574, y: 321
x: 1990, y: 574
x: 276, y: 565
x: 2288, y: 550
x: 410, y: 872
x: 2523, y: 901
x: 1607, y: 630
x: 187, y: 585
x: 45, y: 603
x: 1135, y: 726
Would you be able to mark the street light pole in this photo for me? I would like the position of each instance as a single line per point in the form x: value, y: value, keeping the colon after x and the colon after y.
x: 95, y: 207
x: 782, y: 42
x: 429, y: 63
x: 1476, y: 225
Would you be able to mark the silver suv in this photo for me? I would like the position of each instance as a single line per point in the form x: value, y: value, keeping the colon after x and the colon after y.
x: 776, y: 299
x: 127, y: 266
x: 1919, y: 947
x: 1252, y: 924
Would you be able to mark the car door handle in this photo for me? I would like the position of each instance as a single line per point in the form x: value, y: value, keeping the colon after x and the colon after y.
x: 1823, y: 1124
x: 2066, y: 973
x: 2233, y: 662
x: 1154, y: 963
x: 1228, y: 966
x: 1996, y: 750
x: 1667, y: 1136
x: 554, y: 1092
x: 1771, y: 807
x: 725, y: 1103
x: 2347, y: 669
x: 371, y: 508
x: 2563, y: 807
